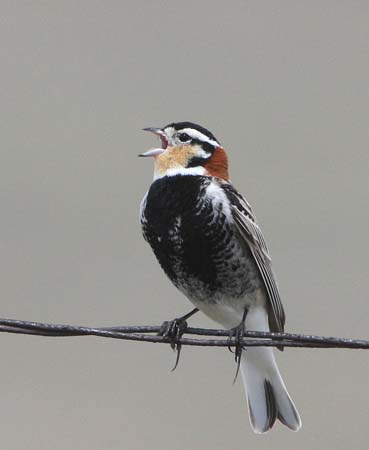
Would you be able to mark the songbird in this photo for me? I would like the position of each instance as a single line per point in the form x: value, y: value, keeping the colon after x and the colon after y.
x: 206, y: 238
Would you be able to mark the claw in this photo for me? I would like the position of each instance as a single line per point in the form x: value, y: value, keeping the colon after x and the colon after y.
x: 171, y: 332
x: 179, y: 348
x: 238, y: 333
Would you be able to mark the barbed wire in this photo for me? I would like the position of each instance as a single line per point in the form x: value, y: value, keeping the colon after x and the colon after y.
x: 150, y: 334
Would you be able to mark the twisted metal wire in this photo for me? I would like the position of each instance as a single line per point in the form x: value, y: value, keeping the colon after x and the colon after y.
x: 209, y: 337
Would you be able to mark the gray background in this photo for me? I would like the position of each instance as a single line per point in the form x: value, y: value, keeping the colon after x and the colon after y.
x: 283, y: 85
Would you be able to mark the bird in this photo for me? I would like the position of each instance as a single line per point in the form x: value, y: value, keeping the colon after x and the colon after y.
x: 206, y: 238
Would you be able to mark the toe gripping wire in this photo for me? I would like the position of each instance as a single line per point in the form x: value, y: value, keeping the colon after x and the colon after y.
x: 172, y: 331
x: 237, y: 334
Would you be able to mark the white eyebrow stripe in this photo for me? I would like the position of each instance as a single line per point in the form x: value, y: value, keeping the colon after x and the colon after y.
x: 198, y: 135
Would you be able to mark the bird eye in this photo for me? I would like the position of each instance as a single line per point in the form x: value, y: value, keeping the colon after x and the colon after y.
x: 184, y: 137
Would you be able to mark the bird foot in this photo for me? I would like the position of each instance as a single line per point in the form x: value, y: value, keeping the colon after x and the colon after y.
x: 173, y: 330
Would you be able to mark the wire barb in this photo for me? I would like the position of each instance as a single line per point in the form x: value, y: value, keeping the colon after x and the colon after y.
x: 149, y: 334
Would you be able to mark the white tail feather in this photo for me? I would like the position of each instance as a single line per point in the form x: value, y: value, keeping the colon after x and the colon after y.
x: 266, y: 393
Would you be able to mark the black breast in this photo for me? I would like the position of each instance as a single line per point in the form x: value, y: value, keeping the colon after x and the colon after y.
x: 174, y: 226
x: 192, y: 239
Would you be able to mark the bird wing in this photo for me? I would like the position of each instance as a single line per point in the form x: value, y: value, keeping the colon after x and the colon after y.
x: 250, y: 232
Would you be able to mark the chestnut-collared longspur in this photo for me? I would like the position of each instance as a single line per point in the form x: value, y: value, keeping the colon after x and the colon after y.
x: 206, y: 238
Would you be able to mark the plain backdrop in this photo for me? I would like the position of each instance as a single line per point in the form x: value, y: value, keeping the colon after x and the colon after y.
x: 283, y: 86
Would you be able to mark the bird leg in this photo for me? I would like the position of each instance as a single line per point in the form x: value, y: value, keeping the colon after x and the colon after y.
x: 172, y: 330
x: 237, y: 334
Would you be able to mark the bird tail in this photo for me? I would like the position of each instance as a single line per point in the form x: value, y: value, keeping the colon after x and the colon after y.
x: 266, y: 392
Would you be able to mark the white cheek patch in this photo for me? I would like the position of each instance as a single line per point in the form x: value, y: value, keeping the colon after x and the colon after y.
x: 201, y: 153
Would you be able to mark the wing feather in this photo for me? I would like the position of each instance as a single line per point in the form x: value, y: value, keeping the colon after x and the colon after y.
x: 249, y: 230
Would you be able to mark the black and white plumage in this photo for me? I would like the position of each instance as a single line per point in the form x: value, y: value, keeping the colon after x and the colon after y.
x: 205, y: 236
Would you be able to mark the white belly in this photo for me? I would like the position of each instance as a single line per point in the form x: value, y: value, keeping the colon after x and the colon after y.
x: 229, y: 312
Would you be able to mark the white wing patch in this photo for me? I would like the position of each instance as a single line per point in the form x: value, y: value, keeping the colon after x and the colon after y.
x: 219, y: 199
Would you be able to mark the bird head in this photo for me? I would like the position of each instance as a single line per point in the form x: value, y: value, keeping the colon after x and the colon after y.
x: 187, y: 149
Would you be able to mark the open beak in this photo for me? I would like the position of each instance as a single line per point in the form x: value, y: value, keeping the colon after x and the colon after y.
x: 164, y: 142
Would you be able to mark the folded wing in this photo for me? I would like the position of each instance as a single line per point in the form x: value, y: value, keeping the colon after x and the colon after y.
x: 250, y: 232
